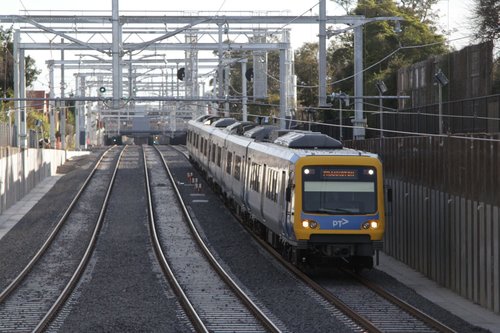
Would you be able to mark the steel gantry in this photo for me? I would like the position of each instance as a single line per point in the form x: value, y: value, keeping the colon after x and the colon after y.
x: 122, y: 44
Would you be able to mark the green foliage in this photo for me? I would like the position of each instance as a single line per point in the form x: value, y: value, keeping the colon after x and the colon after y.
x: 306, y: 68
x: 7, y: 64
x: 486, y: 18
x: 384, y: 49
x: 421, y: 9
x: 263, y: 107
x: 33, y: 117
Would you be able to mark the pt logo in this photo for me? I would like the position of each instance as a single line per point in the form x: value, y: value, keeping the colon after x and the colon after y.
x: 339, y: 223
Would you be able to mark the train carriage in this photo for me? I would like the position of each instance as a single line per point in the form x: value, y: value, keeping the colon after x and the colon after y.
x: 315, y: 200
x: 236, y: 174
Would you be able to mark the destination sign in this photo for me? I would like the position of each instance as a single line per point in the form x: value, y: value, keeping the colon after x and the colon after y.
x: 339, y: 173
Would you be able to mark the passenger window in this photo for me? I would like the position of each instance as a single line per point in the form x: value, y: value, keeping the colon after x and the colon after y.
x: 228, y: 162
x: 237, y: 167
x: 219, y: 156
x: 254, y: 178
x: 213, y: 152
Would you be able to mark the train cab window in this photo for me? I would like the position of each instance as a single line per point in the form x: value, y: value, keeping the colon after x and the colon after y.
x: 229, y: 162
x: 339, y: 190
x: 237, y: 167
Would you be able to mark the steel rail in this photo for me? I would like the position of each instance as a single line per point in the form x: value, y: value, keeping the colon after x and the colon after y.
x: 85, y: 259
x: 20, y: 277
x: 222, y: 273
x: 332, y: 299
x: 188, y: 307
x: 401, y: 304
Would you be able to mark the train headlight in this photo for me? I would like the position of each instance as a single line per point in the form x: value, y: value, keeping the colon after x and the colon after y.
x: 370, y: 225
x: 309, y: 224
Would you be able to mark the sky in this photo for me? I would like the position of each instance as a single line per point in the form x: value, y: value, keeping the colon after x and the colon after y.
x: 454, y: 14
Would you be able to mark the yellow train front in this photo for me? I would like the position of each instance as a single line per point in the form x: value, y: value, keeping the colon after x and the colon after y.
x: 337, y: 208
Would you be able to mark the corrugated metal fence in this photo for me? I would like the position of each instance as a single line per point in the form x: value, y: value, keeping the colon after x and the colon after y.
x: 8, y: 137
x: 445, y: 220
x: 5, y: 135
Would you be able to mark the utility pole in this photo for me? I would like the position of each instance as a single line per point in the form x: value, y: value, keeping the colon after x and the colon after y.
x: 62, y: 110
x: 322, y: 54
x: 117, y: 70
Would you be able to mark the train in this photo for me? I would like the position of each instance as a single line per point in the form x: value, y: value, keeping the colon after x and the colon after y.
x: 314, y: 200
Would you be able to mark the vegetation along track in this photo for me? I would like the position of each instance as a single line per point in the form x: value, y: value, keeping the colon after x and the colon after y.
x: 213, y: 301
x: 35, y: 295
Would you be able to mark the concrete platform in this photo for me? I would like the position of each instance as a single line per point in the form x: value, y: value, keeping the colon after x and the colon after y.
x: 15, y: 213
x: 445, y: 298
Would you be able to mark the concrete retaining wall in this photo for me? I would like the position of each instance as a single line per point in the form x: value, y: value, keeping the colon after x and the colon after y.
x: 22, y: 170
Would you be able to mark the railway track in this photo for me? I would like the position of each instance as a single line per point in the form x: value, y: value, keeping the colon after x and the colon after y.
x: 371, y: 307
x: 36, y: 294
x: 386, y: 311
x: 212, y: 299
x: 209, y: 296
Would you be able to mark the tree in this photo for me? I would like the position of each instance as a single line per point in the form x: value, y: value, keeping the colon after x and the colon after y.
x: 306, y: 68
x: 486, y: 19
x: 264, y: 107
x: 421, y: 9
x: 385, y: 49
x: 7, y: 65
x: 486, y: 24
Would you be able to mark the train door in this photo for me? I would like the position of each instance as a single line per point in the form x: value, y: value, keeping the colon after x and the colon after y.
x: 282, y: 200
x: 290, y: 204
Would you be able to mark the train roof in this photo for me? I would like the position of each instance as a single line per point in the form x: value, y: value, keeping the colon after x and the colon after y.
x: 283, y: 143
x: 207, y: 119
x: 307, y: 140
x: 260, y: 132
x: 240, y: 127
x: 223, y: 122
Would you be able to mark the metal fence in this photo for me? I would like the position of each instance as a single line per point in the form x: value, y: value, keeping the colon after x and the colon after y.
x: 475, y: 115
x: 445, y: 220
x: 5, y: 135
x: 8, y: 137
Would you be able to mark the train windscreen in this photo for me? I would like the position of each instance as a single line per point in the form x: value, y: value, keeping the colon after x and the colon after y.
x: 339, y: 190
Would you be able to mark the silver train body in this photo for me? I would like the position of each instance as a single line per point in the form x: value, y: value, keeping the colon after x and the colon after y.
x: 313, y: 198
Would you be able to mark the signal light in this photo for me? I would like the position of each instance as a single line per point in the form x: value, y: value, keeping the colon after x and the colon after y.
x: 249, y: 74
x: 181, y: 73
x: 102, y: 90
